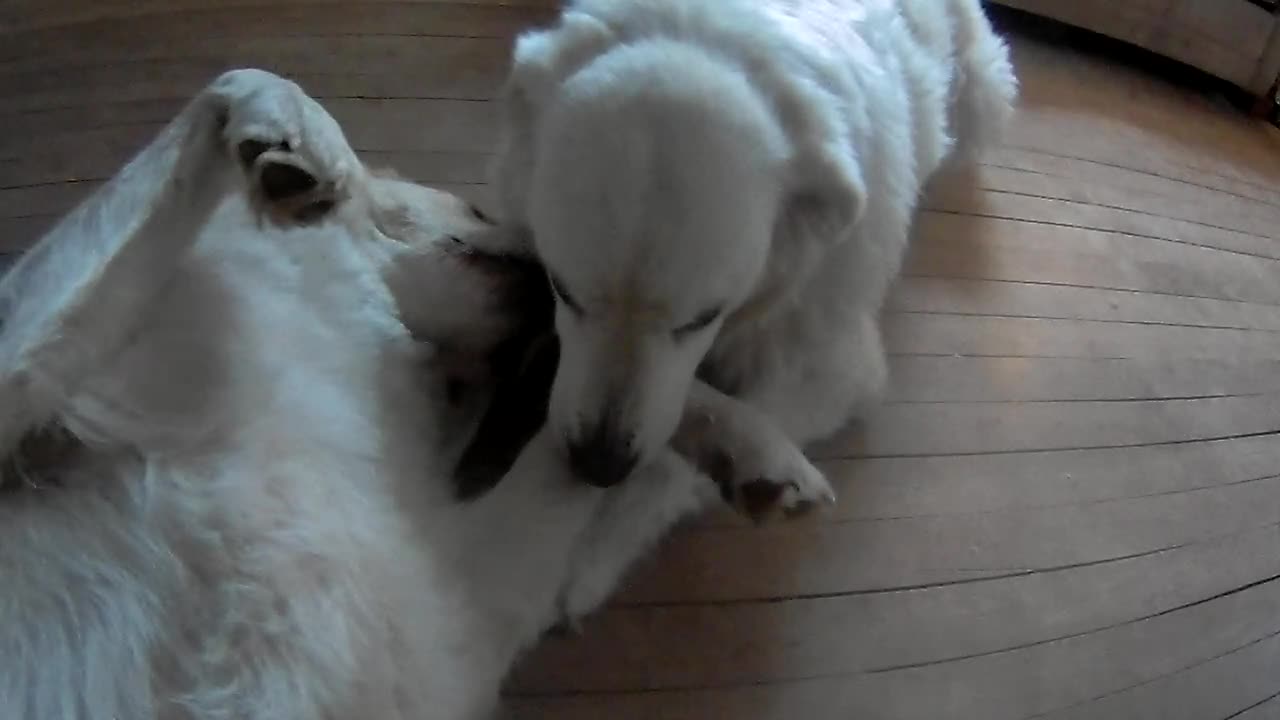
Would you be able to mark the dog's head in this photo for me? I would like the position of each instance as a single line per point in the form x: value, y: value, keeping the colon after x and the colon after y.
x: 460, y: 282
x: 660, y: 183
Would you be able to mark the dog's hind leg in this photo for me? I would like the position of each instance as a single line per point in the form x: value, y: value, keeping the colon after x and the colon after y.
x: 78, y: 296
x: 79, y: 293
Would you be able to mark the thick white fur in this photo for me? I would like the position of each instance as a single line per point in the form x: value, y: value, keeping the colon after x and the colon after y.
x: 261, y: 525
x: 761, y: 157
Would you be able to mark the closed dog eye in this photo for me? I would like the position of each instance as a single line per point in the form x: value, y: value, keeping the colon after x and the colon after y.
x: 704, y: 319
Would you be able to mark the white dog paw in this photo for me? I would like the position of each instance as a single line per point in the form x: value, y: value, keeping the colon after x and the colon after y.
x: 769, y: 481
x: 297, y: 161
x: 582, y: 595
x: 758, y: 469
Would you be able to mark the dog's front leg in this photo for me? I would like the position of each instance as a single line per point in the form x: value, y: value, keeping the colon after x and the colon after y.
x: 76, y: 297
x: 757, y: 467
x: 629, y: 522
x: 817, y: 389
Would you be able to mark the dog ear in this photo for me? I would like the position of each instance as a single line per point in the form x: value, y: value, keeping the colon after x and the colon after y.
x: 540, y: 61
x: 827, y: 193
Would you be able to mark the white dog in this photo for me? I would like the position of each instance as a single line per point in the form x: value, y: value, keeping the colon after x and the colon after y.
x: 722, y: 192
x: 225, y: 442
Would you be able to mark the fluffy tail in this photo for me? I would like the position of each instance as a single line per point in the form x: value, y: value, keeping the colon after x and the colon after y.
x: 985, y: 86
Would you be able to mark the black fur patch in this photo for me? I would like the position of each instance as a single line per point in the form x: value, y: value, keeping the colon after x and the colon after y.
x: 250, y: 150
x: 36, y: 463
x: 516, y: 412
x: 281, y: 181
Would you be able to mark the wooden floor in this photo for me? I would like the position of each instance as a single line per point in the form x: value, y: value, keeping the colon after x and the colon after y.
x: 1069, y: 506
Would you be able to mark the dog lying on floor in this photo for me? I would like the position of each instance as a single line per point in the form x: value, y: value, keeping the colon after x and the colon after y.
x: 722, y: 192
x: 227, y: 423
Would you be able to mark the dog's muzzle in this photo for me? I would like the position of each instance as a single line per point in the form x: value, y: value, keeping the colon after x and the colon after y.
x: 602, y: 457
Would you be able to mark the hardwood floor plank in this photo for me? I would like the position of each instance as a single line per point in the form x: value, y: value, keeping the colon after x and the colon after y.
x: 1023, y: 337
x: 1037, y: 184
x: 992, y: 428
x: 1068, y: 213
x: 23, y: 16
x: 924, y: 487
x: 1268, y: 709
x: 223, y: 24
x: 1005, y: 686
x: 55, y: 199
x: 628, y: 648
x: 1138, y: 190
x: 966, y: 247
x: 17, y: 234
x: 1035, y: 300
x: 814, y: 558
x: 1211, y: 689
x: 914, y: 379
x: 180, y: 72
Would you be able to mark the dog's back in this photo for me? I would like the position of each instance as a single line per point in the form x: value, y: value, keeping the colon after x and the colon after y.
x: 957, y: 65
x: 896, y: 87
x: 850, y: 105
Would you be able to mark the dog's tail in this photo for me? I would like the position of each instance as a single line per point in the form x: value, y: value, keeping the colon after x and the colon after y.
x: 986, y: 88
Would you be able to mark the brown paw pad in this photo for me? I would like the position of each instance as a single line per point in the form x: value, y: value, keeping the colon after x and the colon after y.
x: 251, y: 150
x: 759, y: 498
x: 281, y: 181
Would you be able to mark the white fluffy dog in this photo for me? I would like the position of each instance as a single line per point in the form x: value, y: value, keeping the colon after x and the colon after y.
x: 230, y: 421
x: 722, y: 192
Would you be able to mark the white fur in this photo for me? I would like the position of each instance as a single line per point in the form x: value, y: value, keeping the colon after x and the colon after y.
x: 261, y: 525
x: 762, y: 157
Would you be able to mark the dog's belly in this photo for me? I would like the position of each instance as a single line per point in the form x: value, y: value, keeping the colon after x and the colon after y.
x: 290, y: 479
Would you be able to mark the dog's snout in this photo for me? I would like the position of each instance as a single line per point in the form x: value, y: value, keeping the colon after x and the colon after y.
x: 602, y: 457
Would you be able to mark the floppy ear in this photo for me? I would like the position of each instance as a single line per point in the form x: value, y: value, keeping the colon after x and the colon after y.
x: 541, y: 60
x: 827, y: 193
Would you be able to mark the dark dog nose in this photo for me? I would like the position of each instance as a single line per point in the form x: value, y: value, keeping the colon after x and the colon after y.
x: 601, y: 458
